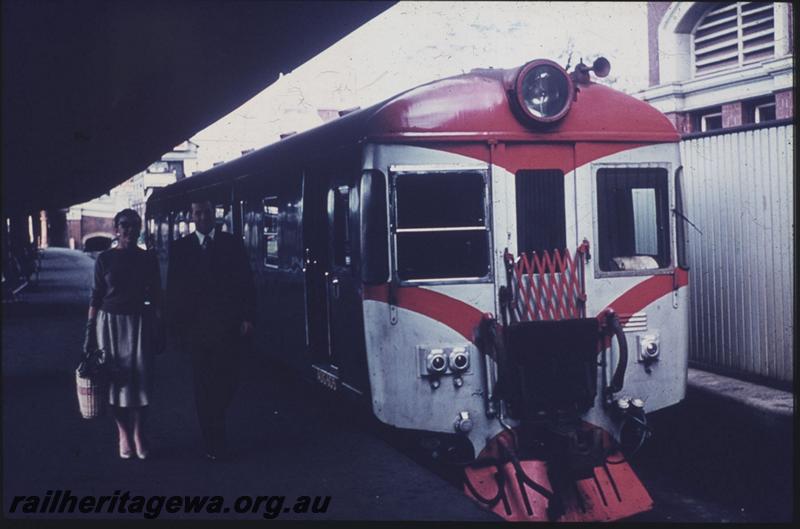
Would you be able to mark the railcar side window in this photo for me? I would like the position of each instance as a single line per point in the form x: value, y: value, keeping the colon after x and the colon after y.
x: 271, y: 213
x: 338, y: 221
x: 441, y: 228
x: 633, y: 218
x: 541, y: 219
x: 250, y: 233
x: 150, y: 239
x: 178, y: 225
x: 164, y: 232
x: 224, y: 217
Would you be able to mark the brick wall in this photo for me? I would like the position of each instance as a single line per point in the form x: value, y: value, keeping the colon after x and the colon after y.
x: 784, y: 104
x: 74, y: 233
x: 96, y: 224
x: 681, y: 121
x: 77, y: 229
x: 732, y: 114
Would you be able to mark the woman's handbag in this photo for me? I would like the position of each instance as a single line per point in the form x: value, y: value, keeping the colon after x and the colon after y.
x: 91, y: 380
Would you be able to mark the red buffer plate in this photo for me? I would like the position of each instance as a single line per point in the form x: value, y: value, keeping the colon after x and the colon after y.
x: 613, y: 493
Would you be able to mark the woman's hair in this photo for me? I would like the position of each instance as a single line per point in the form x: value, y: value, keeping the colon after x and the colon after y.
x: 130, y: 213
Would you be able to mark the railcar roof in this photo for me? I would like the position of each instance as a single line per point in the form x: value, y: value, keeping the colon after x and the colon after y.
x: 477, y: 104
x: 470, y: 107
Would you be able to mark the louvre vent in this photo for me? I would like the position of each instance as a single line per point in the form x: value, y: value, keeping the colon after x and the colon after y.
x: 732, y: 35
x: 633, y: 322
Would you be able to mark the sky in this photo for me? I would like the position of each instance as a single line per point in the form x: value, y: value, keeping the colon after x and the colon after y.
x: 416, y: 42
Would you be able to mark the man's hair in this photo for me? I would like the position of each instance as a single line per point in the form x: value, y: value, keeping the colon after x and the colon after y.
x: 128, y: 213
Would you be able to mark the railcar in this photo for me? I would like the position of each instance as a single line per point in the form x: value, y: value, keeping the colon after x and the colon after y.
x: 497, y: 258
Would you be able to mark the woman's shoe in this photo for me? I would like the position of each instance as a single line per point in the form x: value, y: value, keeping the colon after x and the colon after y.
x: 141, y: 451
x: 125, y: 453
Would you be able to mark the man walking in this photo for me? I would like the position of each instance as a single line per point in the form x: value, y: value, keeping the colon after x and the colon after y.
x: 211, y: 301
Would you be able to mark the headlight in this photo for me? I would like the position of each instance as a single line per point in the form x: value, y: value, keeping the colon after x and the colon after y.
x: 544, y: 91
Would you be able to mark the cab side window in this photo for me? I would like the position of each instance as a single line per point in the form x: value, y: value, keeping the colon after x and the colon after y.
x: 441, y: 228
x: 633, y: 218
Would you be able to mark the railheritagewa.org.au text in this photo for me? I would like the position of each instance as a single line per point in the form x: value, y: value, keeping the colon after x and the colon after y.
x: 55, y: 502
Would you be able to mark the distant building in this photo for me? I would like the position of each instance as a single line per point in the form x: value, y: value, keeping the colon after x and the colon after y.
x: 720, y: 65
x: 90, y: 226
x: 722, y: 73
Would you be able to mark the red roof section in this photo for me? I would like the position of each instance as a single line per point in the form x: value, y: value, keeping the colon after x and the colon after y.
x: 477, y: 105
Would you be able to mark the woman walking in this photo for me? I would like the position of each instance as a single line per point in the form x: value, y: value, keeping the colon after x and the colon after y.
x: 126, y: 280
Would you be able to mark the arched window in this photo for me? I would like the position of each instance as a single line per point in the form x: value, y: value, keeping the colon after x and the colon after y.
x: 733, y: 34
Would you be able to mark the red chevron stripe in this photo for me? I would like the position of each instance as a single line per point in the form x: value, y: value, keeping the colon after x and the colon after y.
x: 648, y: 291
x: 464, y: 318
x: 459, y: 316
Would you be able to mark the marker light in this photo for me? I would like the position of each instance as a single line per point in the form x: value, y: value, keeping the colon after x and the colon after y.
x: 436, y: 362
x: 544, y: 91
x: 459, y: 359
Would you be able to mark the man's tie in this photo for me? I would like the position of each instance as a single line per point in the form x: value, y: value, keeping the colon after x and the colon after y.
x: 206, y: 243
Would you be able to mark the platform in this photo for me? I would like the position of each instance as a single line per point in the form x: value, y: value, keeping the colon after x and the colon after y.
x: 284, y: 441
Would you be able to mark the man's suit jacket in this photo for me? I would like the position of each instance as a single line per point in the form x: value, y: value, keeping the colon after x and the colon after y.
x: 209, y: 292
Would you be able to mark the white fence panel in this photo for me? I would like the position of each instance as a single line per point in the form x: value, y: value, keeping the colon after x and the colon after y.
x: 739, y: 189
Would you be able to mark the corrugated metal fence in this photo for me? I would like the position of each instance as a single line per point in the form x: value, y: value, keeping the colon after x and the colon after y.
x: 739, y: 192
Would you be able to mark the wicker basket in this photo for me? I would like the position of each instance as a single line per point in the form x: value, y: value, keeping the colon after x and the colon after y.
x: 91, y: 396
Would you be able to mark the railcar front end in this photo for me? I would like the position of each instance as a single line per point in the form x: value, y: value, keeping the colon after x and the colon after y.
x: 530, y: 295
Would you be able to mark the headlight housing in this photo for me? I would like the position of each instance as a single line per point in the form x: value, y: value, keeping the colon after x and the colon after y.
x: 543, y: 91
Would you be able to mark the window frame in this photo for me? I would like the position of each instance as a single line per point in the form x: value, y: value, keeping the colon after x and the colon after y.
x: 758, y: 118
x: 704, y: 118
x: 400, y: 170
x: 263, y: 202
x: 669, y: 269
x: 336, y: 204
x: 564, y: 206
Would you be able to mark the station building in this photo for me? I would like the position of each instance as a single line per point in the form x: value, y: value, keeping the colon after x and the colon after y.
x: 90, y: 226
x: 722, y: 72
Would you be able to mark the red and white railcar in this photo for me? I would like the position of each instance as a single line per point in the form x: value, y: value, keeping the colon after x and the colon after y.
x: 496, y: 257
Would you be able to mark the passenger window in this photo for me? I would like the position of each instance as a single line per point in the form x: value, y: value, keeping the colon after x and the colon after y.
x: 179, y: 225
x: 163, y: 232
x: 247, y: 218
x: 633, y: 218
x: 150, y: 233
x: 223, y: 216
x: 271, y: 214
x: 441, y: 230
x: 541, y: 219
x: 338, y: 220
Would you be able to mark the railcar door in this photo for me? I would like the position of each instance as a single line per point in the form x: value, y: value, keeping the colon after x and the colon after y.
x: 345, y: 320
x: 316, y: 265
x: 333, y: 303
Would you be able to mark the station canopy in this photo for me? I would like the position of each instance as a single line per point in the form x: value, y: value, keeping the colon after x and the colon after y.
x: 96, y: 90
